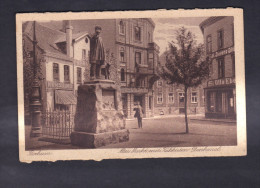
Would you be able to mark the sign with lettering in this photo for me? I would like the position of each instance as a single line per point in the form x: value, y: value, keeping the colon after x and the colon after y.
x: 222, y: 52
x: 223, y: 81
x: 59, y: 85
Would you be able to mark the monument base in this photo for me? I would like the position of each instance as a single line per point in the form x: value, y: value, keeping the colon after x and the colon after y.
x: 95, y: 140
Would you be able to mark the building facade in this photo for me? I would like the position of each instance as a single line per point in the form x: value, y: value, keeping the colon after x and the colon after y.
x: 169, y: 99
x: 220, y: 92
x: 131, y: 43
x: 62, y: 59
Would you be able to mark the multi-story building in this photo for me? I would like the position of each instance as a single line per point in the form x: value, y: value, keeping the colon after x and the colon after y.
x: 62, y: 57
x: 220, y: 92
x: 169, y: 99
x: 131, y: 43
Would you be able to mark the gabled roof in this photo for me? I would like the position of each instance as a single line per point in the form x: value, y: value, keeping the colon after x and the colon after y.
x: 45, y: 37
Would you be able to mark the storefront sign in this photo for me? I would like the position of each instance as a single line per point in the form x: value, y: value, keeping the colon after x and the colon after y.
x: 59, y: 85
x: 223, y: 81
x: 222, y: 52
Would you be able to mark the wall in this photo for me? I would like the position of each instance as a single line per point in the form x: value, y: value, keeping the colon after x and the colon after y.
x: 78, y: 46
x: 49, y: 69
x: 173, y: 108
x: 227, y: 25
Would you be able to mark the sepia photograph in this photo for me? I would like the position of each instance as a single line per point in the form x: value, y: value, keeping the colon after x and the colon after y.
x: 131, y: 84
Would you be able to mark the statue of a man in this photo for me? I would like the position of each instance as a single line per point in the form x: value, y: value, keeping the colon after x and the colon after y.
x: 97, y: 53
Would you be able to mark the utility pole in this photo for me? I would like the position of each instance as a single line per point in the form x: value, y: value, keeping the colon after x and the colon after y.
x: 35, y: 102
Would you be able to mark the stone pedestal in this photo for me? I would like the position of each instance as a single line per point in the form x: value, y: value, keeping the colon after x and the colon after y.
x: 99, y: 118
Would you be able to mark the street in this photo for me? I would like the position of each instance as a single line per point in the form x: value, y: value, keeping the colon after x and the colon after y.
x: 161, y: 132
x: 170, y: 132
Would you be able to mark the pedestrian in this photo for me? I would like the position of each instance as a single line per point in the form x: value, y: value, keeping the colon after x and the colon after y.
x: 139, y: 114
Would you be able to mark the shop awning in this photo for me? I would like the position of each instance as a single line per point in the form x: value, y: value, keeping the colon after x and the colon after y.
x: 65, y: 97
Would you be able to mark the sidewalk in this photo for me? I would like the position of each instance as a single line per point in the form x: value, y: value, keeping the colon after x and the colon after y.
x: 233, y: 121
x: 43, y: 143
x: 193, y: 117
x: 170, y: 116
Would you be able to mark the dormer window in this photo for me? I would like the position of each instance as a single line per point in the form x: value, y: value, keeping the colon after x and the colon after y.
x: 121, y: 28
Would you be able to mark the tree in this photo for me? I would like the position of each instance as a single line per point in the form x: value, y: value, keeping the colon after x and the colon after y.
x: 186, y: 64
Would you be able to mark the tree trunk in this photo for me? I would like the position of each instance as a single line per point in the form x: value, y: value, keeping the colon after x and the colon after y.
x: 185, y: 108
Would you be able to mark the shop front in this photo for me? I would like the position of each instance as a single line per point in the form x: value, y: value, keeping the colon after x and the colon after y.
x: 220, y: 98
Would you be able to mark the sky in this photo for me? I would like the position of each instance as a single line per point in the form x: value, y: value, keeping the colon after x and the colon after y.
x: 165, y: 29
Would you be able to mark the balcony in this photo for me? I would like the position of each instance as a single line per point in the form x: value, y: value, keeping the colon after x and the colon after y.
x: 153, y: 46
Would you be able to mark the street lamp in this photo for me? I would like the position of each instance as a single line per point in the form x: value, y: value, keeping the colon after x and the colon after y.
x: 35, y: 103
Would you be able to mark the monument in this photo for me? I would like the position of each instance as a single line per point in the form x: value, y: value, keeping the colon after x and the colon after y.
x: 99, y: 118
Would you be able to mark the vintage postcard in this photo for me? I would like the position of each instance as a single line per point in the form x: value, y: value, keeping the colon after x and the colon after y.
x: 131, y: 84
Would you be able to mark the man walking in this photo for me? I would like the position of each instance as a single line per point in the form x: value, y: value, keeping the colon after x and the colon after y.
x: 139, y: 114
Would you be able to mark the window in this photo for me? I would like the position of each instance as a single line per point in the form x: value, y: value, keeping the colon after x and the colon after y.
x: 209, y: 44
x: 159, y: 98
x: 181, y: 97
x: 171, y: 98
x: 137, y: 33
x: 84, y: 54
x: 149, y: 37
x: 218, y: 101
x: 221, y: 68
x: 194, y: 97
x: 150, y: 102
x: 79, y: 76
x: 122, y: 75
x: 233, y: 65
x: 138, y: 58
x: 211, y: 101
x: 122, y: 54
x: 220, y: 39
x: 66, y: 73
x: 121, y: 28
x: 56, y: 76
x: 150, y: 60
x: 159, y: 83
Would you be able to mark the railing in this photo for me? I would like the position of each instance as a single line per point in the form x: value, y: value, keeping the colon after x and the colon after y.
x: 57, y: 124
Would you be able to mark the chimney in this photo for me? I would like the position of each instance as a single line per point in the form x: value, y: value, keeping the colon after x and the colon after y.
x: 69, y: 38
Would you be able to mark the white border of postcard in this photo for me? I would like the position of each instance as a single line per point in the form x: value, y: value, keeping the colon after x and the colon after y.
x: 173, y: 152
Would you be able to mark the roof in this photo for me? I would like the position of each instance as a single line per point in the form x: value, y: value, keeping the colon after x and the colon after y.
x: 75, y: 37
x: 210, y: 21
x: 47, y: 37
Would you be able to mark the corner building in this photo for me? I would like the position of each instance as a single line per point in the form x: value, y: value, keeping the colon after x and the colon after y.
x: 131, y: 42
x: 62, y: 57
x: 220, y: 92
